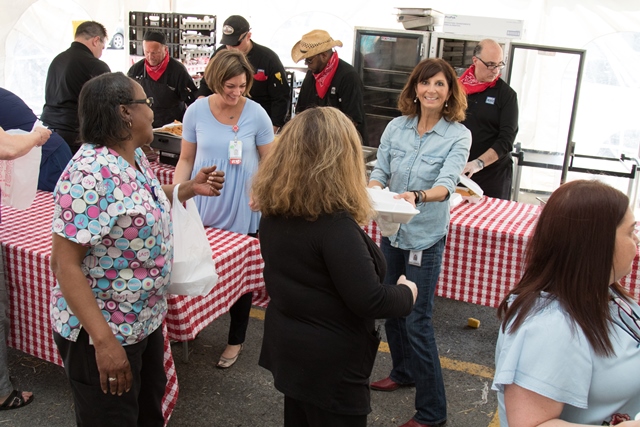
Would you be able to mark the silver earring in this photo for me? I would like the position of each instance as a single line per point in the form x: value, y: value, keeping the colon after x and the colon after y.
x: 446, y: 104
x: 415, y: 100
x: 129, y: 124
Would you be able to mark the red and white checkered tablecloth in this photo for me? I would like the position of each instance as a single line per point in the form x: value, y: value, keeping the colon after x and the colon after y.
x: 163, y: 172
x: 26, y: 241
x: 239, y: 266
x: 485, y: 250
x: 245, y: 277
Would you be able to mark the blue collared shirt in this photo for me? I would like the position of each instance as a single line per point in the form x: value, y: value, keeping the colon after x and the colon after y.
x: 407, y: 162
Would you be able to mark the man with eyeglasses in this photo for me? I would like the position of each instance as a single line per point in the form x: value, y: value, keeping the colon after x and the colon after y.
x: 330, y: 81
x: 163, y: 78
x: 270, y: 87
x: 492, y: 118
x: 68, y: 72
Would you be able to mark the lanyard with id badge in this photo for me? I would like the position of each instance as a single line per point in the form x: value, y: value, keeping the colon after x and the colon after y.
x: 235, y: 148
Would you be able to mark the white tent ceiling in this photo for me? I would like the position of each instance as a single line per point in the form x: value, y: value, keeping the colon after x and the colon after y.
x: 32, y: 32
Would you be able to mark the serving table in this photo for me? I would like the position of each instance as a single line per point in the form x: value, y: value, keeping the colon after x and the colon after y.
x: 485, y: 250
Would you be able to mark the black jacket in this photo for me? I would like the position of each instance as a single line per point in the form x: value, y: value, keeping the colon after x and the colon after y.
x: 324, y: 279
x: 68, y: 72
x: 345, y: 94
x: 171, y: 93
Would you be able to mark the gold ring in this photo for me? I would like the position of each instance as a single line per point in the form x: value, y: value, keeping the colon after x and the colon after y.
x: 111, y: 379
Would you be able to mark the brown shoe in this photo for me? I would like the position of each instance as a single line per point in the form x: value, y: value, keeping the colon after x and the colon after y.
x: 388, y: 384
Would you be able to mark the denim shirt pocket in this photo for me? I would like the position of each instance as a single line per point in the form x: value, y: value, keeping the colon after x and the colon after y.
x: 429, y: 169
x: 395, y: 160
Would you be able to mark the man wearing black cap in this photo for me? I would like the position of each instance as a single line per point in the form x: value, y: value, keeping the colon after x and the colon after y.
x: 270, y: 87
x: 164, y: 79
x: 68, y: 72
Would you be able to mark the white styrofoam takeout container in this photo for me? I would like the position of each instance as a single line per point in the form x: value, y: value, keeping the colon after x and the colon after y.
x: 390, y: 209
x: 467, y: 183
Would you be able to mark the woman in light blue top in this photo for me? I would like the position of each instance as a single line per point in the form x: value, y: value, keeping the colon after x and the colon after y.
x: 568, y: 352
x: 232, y: 132
x: 421, y: 157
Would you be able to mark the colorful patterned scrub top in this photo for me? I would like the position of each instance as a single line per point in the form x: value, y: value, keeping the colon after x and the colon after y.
x: 123, y: 217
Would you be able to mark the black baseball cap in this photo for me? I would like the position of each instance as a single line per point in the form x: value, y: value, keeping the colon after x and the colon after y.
x: 232, y: 29
x: 155, y: 36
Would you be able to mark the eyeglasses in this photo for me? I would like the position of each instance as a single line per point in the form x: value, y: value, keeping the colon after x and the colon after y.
x: 148, y: 101
x: 491, y: 65
x: 630, y: 319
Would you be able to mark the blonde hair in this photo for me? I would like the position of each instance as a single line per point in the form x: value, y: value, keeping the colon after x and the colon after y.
x: 226, y: 65
x: 315, y: 167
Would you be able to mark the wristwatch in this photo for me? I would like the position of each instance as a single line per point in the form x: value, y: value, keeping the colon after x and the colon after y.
x: 480, y: 162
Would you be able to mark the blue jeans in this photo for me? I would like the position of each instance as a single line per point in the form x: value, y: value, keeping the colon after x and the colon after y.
x: 411, y: 339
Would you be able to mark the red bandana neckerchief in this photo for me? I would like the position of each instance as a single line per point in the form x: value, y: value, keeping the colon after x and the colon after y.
x: 471, y: 84
x: 324, y: 77
x: 156, y: 72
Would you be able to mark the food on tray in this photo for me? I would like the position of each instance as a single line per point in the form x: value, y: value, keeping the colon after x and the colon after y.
x: 466, y: 192
x: 174, y: 128
x: 469, y: 190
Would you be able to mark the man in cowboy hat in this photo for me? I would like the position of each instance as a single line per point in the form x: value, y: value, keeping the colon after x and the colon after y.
x: 270, y: 88
x: 164, y: 79
x: 330, y: 81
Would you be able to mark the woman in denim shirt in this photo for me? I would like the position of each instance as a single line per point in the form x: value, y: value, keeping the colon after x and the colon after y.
x: 421, y: 155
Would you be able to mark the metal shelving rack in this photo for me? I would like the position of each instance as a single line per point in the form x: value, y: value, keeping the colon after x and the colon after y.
x: 191, y: 38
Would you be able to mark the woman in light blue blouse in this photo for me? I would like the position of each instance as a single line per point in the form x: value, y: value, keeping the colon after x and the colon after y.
x: 568, y: 353
x: 231, y: 131
x: 421, y: 156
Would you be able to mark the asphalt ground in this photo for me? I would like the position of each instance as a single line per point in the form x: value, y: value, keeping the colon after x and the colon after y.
x: 244, y: 396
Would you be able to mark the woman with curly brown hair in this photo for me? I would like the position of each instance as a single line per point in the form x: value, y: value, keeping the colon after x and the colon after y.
x: 322, y: 271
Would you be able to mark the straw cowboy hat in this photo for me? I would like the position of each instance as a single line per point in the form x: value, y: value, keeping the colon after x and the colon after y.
x: 313, y: 43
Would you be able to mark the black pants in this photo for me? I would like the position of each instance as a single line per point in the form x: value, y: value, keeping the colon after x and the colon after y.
x: 141, y: 406
x: 239, y: 313
x: 495, y: 181
x: 302, y: 414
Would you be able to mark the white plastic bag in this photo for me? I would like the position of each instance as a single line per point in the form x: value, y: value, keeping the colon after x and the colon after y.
x: 19, y: 177
x: 193, y: 272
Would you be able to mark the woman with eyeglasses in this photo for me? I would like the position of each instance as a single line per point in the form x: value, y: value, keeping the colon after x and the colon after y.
x: 112, y: 250
x: 568, y: 352
x: 231, y: 131
x: 492, y: 118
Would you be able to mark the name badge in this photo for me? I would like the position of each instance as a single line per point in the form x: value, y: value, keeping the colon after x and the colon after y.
x: 235, y: 152
x: 415, y: 258
x: 490, y: 100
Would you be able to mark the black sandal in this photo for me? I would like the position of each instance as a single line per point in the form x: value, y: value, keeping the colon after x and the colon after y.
x: 15, y: 401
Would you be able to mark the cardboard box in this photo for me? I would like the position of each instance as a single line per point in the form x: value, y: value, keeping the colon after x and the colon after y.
x: 483, y: 26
